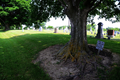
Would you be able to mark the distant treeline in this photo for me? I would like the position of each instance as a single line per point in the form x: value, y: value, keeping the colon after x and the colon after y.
x: 109, y: 28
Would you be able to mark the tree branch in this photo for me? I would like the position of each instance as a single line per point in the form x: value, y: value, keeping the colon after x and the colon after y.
x: 63, y: 3
x: 2, y: 20
x: 97, y: 4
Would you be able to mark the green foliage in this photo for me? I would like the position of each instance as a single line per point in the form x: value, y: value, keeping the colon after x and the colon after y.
x: 45, y: 9
x: 114, y: 74
x: 104, y: 29
x: 62, y: 27
x: 14, y: 12
x: 3, y: 13
x: 43, y: 25
x: 107, y: 9
x: 50, y: 27
x: 115, y: 29
x: 69, y: 27
x: 90, y: 25
x: 9, y: 9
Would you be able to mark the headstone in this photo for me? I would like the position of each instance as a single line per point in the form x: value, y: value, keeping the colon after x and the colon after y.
x: 100, y: 33
x: 110, y: 33
x: 40, y: 28
x: 33, y: 28
x: 95, y: 33
x: 115, y: 33
x: 56, y: 30
x: 91, y: 30
x: 108, y: 38
x: 23, y: 26
x: 104, y: 33
x: 28, y: 28
x: 100, y: 45
x: 64, y: 30
x: 33, y: 24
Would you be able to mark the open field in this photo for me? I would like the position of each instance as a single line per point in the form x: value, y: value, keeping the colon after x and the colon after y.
x: 18, y: 49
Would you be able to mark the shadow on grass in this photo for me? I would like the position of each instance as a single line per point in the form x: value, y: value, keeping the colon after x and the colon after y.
x: 16, y: 54
x: 1, y: 30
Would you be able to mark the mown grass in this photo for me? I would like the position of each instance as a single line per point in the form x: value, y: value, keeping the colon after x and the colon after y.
x: 17, y: 50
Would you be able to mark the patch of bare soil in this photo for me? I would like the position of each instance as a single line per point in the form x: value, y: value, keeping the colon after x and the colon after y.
x: 59, y: 69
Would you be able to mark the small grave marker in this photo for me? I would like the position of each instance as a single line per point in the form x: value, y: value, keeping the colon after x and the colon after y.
x: 100, y: 45
x: 40, y: 28
x: 23, y: 26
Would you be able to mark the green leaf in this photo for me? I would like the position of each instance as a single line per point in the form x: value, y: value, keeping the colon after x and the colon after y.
x: 3, y: 13
x: 1, y: 8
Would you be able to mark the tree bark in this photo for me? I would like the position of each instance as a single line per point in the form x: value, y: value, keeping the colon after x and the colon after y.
x: 77, y: 45
x: 7, y: 27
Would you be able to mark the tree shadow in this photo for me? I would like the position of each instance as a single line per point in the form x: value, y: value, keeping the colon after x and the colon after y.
x: 2, y: 30
x: 17, y: 52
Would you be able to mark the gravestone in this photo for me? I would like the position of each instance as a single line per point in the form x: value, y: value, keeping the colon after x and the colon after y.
x: 56, y: 30
x: 110, y: 33
x: 108, y: 38
x: 28, y: 28
x: 40, y: 28
x: 66, y: 29
x: 100, y: 45
x: 23, y: 26
x: 115, y: 33
x: 33, y: 28
x: 91, y: 30
x: 100, y: 33
x: 95, y: 33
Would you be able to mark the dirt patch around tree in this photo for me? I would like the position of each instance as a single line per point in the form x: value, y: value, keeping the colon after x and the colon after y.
x: 59, y: 69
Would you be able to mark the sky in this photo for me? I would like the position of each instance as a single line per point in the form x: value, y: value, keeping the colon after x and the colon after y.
x: 59, y: 22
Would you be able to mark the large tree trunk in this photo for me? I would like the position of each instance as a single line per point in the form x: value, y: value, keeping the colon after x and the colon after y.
x: 7, y: 27
x: 77, y: 45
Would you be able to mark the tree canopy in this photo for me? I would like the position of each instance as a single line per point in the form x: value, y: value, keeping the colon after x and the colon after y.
x: 14, y: 12
x: 78, y: 12
x: 104, y: 8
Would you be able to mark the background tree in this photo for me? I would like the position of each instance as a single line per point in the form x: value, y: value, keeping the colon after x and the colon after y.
x: 43, y: 25
x: 42, y: 10
x: 62, y: 27
x: 50, y: 27
x: 91, y: 25
x: 111, y: 28
x: 14, y: 12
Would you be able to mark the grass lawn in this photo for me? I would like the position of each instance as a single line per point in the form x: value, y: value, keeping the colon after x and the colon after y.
x: 17, y: 50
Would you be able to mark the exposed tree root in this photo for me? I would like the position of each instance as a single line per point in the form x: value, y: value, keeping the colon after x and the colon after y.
x: 69, y: 51
x: 77, y: 54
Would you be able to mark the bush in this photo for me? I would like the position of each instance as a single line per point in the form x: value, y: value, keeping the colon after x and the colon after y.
x: 62, y: 27
x: 50, y: 27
